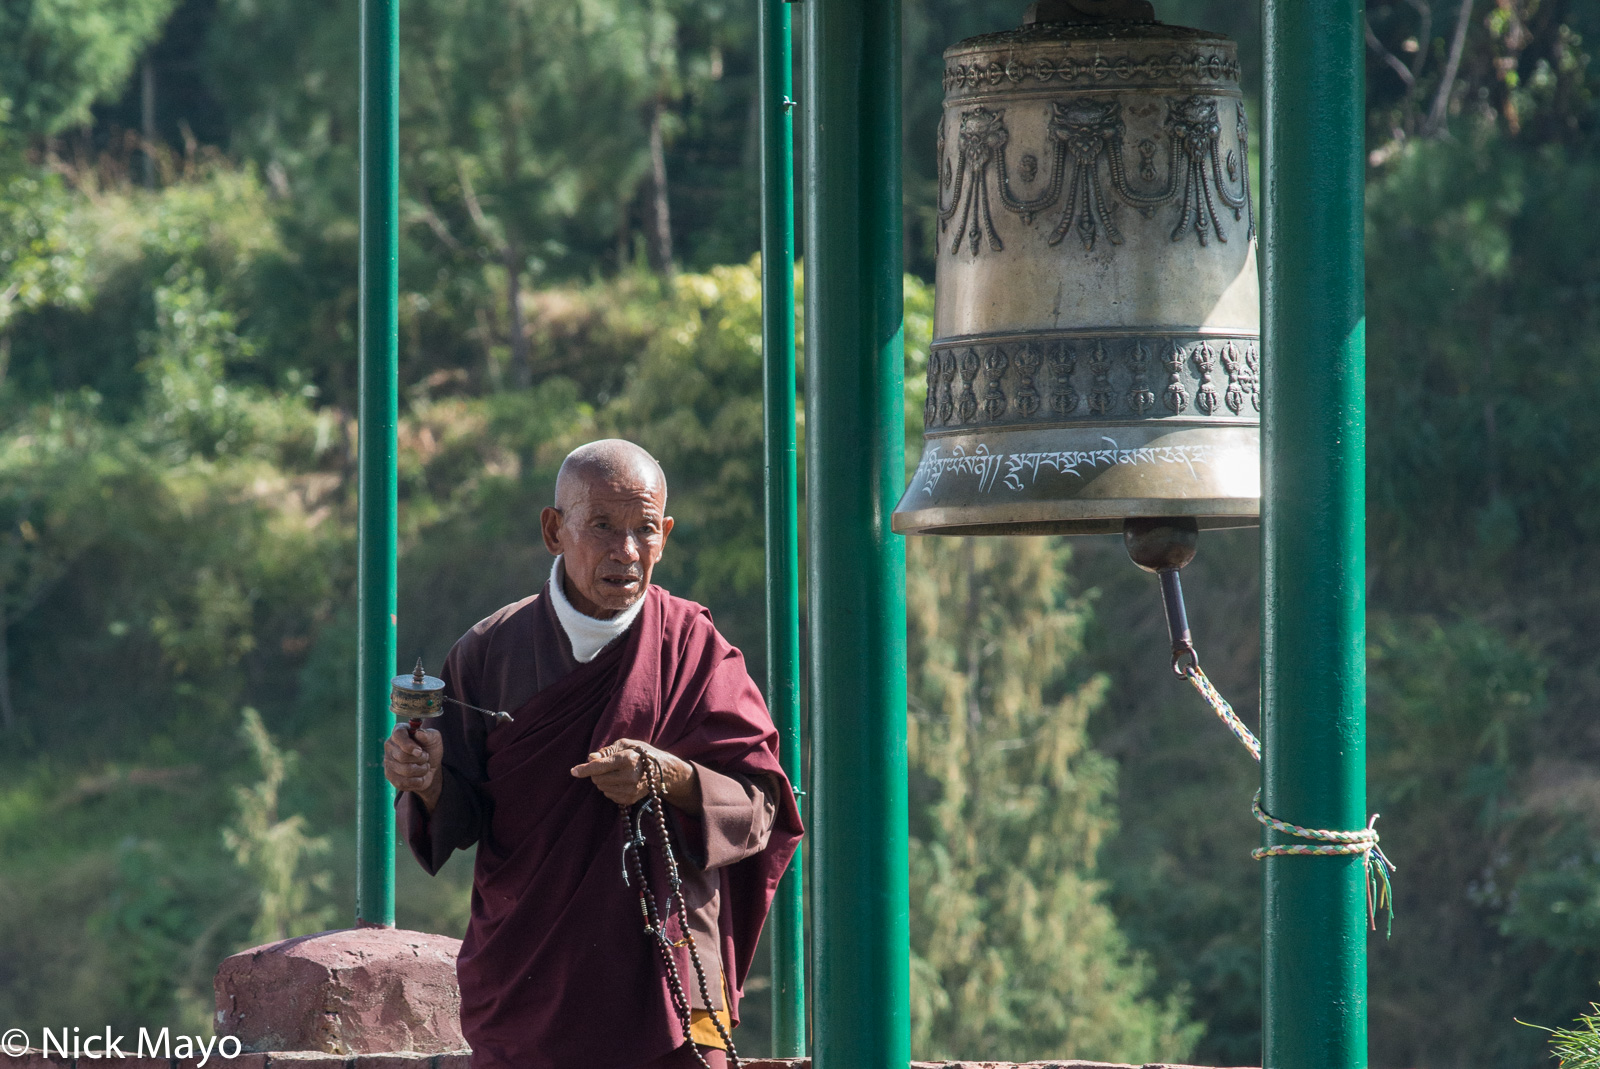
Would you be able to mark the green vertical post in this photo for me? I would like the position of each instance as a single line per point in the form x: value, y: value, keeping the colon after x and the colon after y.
x: 855, y: 470
x: 379, y: 344
x: 782, y: 500
x: 1314, y: 529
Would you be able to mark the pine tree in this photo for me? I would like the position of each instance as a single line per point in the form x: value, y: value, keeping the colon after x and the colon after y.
x: 1013, y: 953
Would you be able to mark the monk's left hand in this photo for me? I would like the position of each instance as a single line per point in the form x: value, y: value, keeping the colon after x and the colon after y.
x: 618, y: 770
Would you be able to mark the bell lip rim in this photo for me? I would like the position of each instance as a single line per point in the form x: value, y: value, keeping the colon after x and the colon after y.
x: 949, y: 519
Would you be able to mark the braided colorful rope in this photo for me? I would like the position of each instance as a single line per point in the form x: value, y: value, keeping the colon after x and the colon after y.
x: 1363, y: 843
x: 1224, y: 711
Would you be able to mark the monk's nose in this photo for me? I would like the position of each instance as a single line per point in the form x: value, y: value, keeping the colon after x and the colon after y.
x: 627, y: 548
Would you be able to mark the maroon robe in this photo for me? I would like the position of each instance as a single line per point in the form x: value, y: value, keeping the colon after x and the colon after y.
x: 556, y: 970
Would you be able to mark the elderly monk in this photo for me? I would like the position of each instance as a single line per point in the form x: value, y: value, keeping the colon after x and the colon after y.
x: 599, y: 669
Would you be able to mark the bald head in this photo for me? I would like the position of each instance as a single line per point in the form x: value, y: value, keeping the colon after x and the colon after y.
x: 608, y: 461
x: 609, y: 525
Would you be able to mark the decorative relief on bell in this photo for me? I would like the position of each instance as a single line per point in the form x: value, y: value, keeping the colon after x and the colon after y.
x: 1010, y: 391
x: 1177, y: 397
x: 1140, y: 398
x: 982, y: 135
x: 947, y: 376
x: 1096, y: 323
x: 968, y: 406
x: 1205, y: 393
x: 1063, y: 362
x: 1028, y: 361
x: 1175, y: 67
x: 1100, y: 398
x: 1088, y: 132
x: 1243, y: 380
x: 994, y: 401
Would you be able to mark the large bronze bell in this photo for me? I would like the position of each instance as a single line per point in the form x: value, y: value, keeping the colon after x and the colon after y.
x: 1096, y: 343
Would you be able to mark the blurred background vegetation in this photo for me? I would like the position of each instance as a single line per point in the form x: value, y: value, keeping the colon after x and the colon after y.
x: 177, y: 391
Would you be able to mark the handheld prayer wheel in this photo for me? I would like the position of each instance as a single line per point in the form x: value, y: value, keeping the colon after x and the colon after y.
x: 419, y: 696
x: 416, y: 697
x: 1096, y: 344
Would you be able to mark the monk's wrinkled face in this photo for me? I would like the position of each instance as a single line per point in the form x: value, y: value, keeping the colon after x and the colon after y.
x: 610, y: 531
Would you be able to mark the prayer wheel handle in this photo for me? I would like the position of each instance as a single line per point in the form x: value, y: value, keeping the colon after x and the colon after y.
x: 1163, y: 545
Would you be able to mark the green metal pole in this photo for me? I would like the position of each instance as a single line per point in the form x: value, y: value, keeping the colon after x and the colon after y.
x: 379, y: 342
x: 1314, y: 530
x: 855, y: 469
x: 782, y: 503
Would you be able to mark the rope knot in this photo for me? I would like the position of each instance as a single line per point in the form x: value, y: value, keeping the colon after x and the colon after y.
x: 1362, y: 843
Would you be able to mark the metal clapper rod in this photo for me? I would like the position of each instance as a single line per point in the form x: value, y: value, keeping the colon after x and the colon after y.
x: 1163, y: 545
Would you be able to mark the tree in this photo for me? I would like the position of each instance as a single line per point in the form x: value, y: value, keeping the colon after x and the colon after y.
x: 1521, y: 64
x: 1014, y: 954
x: 58, y: 57
x: 522, y: 130
x: 693, y: 398
x: 274, y: 851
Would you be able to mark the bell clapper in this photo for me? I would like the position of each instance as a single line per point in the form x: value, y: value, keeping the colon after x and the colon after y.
x: 1163, y: 545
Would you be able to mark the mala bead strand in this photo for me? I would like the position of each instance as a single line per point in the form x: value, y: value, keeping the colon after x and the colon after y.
x: 654, y: 921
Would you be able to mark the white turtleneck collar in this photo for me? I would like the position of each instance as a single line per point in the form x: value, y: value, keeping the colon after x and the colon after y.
x: 587, y: 635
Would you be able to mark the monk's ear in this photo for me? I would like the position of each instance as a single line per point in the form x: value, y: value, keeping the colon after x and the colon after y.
x: 550, y: 528
x: 666, y: 528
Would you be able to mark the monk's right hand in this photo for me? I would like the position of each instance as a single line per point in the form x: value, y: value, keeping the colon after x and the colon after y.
x: 413, y: 764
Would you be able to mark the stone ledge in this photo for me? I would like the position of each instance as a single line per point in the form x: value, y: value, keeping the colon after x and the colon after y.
x: 347, y: 993
x: 453, y: 1060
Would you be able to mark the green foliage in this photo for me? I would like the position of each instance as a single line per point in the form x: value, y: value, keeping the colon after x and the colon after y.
x: 1497, y: 441
x: 1454, y: 709
x: 1482, y: 450
x: 497, y: 86
x: 1578, y: 1047
x: 58, y: 57
x: 273, y: 851
x: 694, y: 399
x: 42, y: 259
x: 161, y: 556
x: 1522, y: 66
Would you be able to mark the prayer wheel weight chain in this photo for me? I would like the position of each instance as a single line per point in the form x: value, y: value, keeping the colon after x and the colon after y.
x: 654, y: 922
